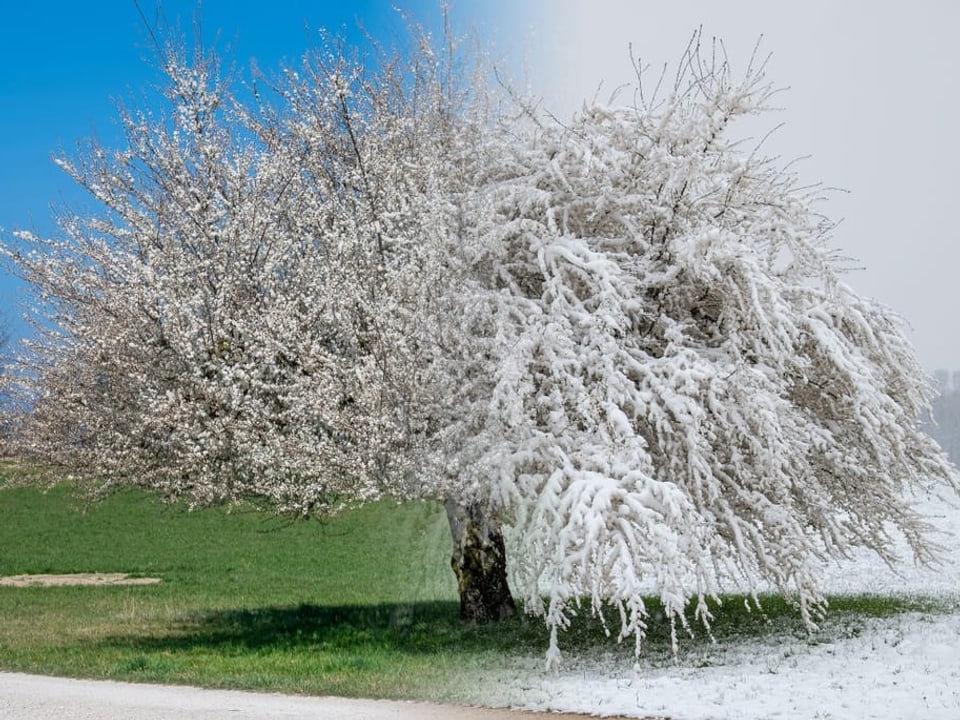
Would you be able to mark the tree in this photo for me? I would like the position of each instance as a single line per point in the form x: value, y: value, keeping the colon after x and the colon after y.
x: 388, y: 166
x: 4, y: 346
x: 944, y: 426
x: 6, y: 420
x: 688, y: 398
x: 624, y: 337
x: 255, y: 314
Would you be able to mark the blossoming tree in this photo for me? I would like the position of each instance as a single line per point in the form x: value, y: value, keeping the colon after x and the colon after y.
x: 624, y: 337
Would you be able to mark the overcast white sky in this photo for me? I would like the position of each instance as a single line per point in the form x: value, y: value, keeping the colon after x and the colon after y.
x: 873, y: 98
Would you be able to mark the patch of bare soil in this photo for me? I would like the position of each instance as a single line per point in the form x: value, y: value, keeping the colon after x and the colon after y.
x: 74, y: 579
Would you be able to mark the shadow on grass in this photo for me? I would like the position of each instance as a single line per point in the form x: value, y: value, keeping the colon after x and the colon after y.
x: 435, y: 628
x: 422, y: 627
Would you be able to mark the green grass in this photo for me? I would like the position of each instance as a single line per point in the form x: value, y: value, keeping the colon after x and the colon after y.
x: 246, y: 600
x: 362, y: 605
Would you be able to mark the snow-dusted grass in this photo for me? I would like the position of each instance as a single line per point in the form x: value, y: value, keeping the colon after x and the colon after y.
x: 905, y: 666
x: 862, y: 663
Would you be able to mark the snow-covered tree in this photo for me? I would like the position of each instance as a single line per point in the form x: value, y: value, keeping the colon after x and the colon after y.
x: 624, y: 336
x: 687, y: 399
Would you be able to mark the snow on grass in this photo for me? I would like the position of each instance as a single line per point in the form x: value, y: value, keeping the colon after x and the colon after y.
x: 899, y: 667
x: 907, y: 666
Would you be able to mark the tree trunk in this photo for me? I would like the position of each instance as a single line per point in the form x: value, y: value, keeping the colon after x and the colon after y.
x: 480, y: 564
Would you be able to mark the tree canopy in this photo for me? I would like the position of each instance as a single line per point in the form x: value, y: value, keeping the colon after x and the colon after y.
x: 624, y: 336
x: 688, y: 397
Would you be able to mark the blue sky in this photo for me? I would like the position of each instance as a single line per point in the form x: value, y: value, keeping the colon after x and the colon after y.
x: 871, y: 99
x: 66, y: 64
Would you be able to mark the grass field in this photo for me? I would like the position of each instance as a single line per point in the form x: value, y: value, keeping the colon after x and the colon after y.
x: 362, y: 605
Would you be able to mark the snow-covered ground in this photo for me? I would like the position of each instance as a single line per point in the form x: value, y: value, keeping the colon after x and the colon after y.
x: 899, y: 668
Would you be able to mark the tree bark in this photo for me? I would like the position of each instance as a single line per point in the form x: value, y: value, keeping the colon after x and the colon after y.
x: 480, y: 563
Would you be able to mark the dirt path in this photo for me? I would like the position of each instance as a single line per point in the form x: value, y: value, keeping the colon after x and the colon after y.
x: 74, y: 579
x: 32, y: 697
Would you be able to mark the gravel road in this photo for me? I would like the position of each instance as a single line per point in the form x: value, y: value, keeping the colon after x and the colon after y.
x: 32, y: 697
